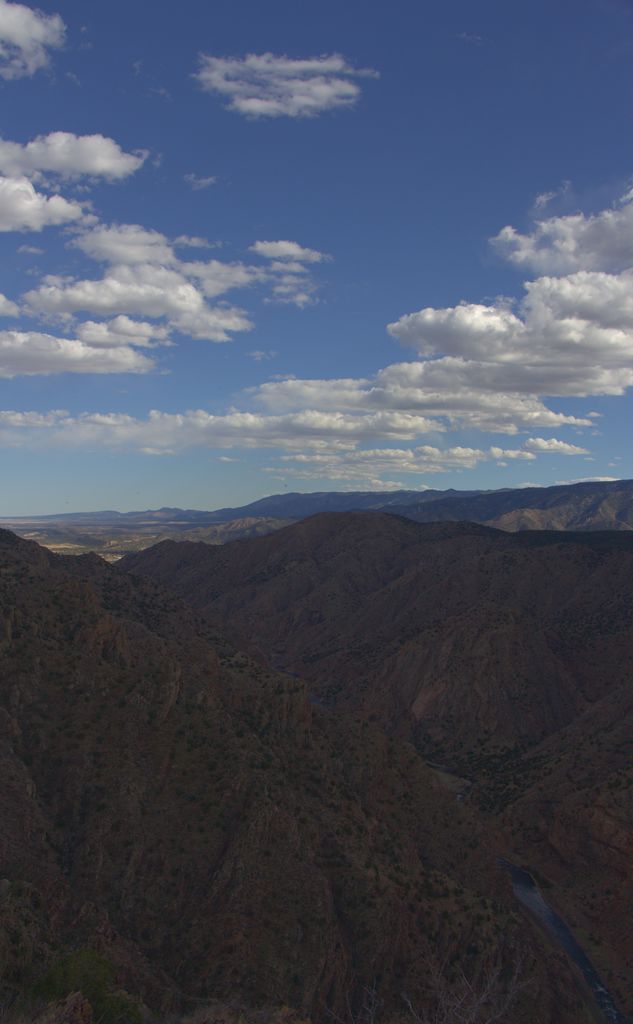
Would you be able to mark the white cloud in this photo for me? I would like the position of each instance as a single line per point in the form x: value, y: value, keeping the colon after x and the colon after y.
x: 266, y: 85
x: 125, y: 243
x: 444, y: 389
x: 604, y: 300
x: 367, y: 464
x: 553, y: 446
x: 7, y: 307
x: 216, y: 277
x: 22, y: 208
x: 140, y: 289
x: 31, y: 250
x: 122, y: 331
x: 560, y: 245
x: 487, y: 367
x: 286, y: 250
x: 69, y: 156
x: 370, y: 463
x: 197, y: 183
x: 26, y: 36
x: 569, y: 336
x: 293, y: 283
x: 170, y: 432
x: 29, y: 353
x: 511, y: 453
x: 290, y: 290
x: 144, y: 278
x: 146, y: 275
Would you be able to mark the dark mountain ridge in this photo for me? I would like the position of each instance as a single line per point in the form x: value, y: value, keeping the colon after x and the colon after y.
x: 504, y: 656
x: 195, y: 819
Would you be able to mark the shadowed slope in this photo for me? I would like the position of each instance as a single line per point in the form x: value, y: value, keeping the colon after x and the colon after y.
x: 507, y: 657
x: 410, y: 621
x: 196, y: 819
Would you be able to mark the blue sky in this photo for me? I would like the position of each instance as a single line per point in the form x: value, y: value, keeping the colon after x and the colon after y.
x: 249, y: 247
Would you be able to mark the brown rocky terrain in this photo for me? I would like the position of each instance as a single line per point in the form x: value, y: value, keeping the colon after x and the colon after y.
x: 594, y: 505
x: 506, y: 658
x: 461, y: 636
x: 182, y: 825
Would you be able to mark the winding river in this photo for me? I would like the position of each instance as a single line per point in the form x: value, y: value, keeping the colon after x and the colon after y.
x: 528, y: 893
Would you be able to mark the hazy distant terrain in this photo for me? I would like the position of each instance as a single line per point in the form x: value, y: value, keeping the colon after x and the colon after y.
x: 586, y: 506
x: 112, y: 535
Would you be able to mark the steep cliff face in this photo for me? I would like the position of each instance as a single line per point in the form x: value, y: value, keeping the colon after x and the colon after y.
x: 195, y: 818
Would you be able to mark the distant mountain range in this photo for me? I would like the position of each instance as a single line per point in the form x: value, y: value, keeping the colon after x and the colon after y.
x: 606, y: 505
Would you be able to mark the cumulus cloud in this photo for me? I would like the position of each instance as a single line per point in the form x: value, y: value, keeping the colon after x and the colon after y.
x: 291, y: 290
x: 30, y: 353
x: 285, y: 250
x: 7, y: 307
x: 216, y: 277
x: 22, y: 208
x: 592, y: 298
x: 569, y: 336
x: 365, y: 464
x: 69, y: 156
x: 511, y: 453
x: 266, y: 85
x: 494, y: 367
x: 144, y: 277
x: 125, y: 243
x: 26, y: 36
x: 560, y: 245
x: 122, y: 330
x: 293, y: 284
x: 488, y: 367
x: 140, y: 289
x: 553, y: 446
x: 171, y: 432
x: 444, y: 391
x: 311, y: 444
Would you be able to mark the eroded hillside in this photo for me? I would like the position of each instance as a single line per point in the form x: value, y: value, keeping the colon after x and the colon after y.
x: 197, y: 820
x: 505, y: 658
